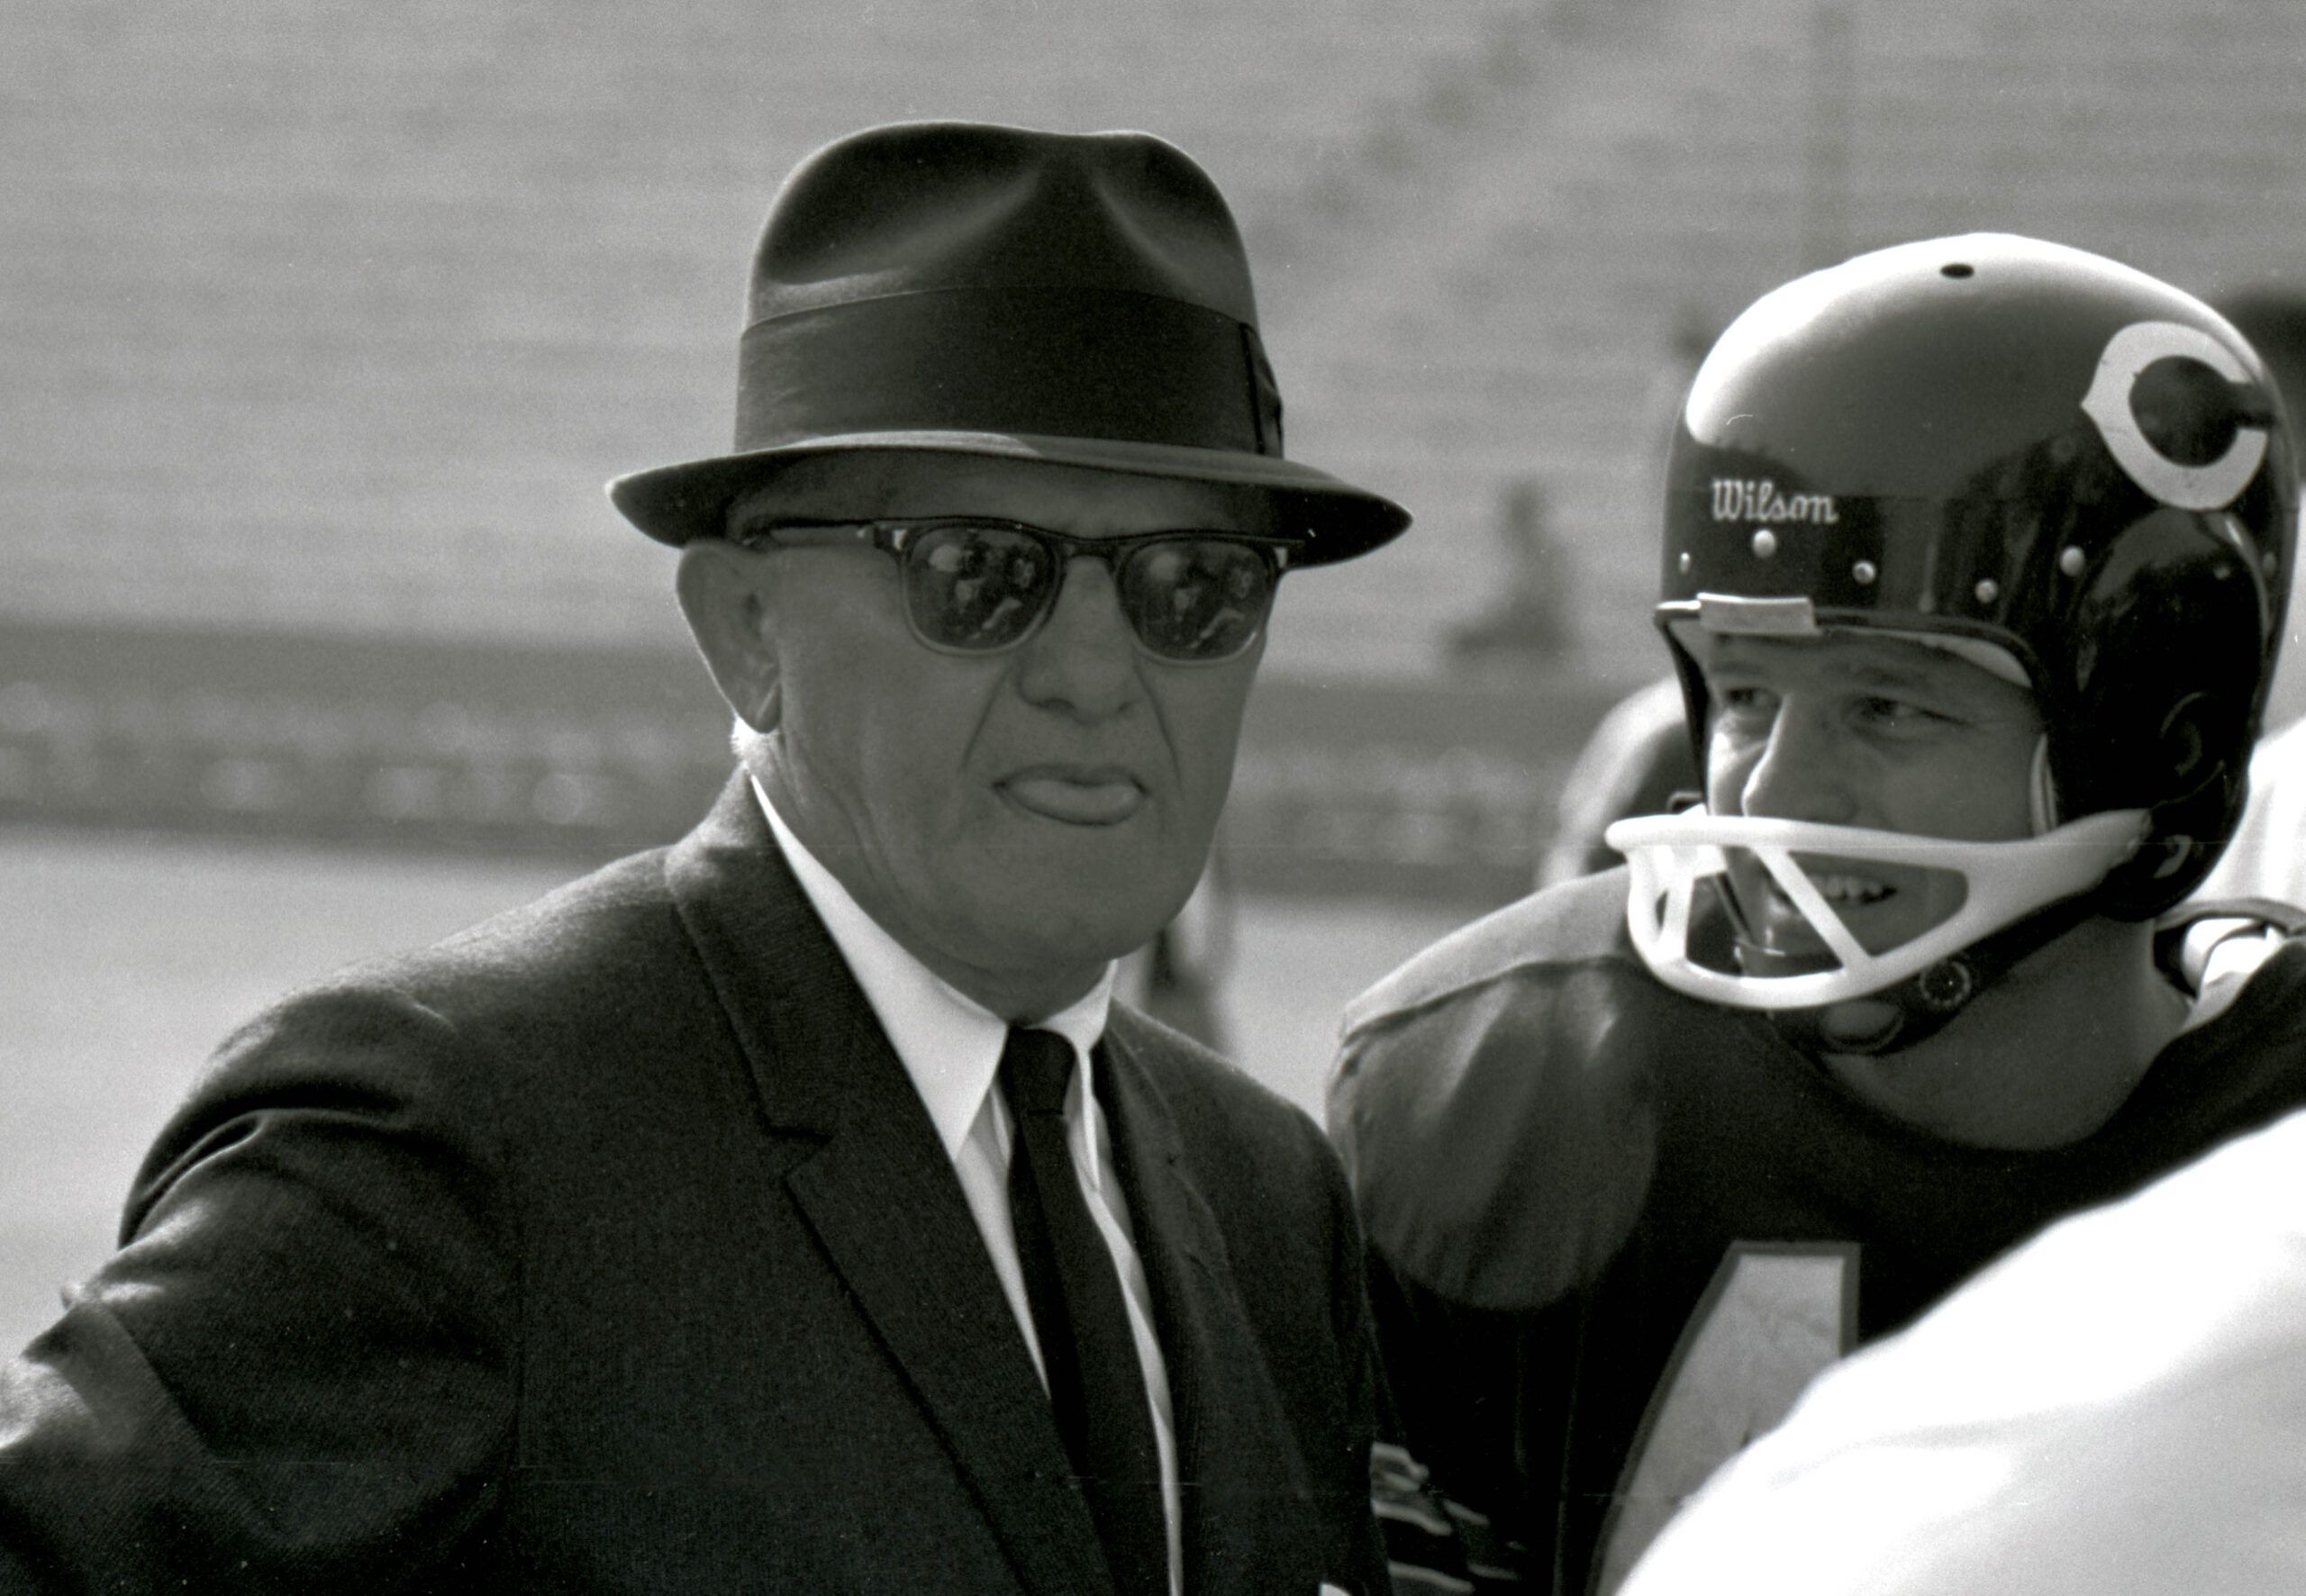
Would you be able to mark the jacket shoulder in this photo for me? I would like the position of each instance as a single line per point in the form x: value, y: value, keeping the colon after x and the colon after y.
x: 550, y: 982
x: 602, y: 956
x: 610, y: 917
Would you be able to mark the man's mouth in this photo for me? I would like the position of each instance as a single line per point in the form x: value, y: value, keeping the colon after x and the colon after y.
x: 1074, y: 795
x: 1840, y: 887
x: 1848, y: 892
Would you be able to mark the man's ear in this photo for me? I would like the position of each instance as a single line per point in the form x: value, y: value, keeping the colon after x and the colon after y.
x: 723, y: 592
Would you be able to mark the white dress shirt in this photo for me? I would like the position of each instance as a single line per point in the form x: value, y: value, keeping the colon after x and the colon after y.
x: 950, y: 1045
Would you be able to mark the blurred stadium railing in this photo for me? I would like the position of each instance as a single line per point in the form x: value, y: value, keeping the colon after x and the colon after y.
x: 1372, y: 788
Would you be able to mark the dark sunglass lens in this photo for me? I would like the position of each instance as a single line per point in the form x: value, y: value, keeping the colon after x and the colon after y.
x: 977, y: 587
x: 1197, y: 598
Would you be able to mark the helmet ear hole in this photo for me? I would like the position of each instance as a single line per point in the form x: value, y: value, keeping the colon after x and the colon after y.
x: 2177, y: 852
x: 2182, y: 740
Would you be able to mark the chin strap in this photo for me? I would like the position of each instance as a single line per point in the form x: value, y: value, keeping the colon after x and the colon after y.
x: 1916, y: 1008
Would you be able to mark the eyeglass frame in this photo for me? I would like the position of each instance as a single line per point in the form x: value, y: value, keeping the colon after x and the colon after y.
x: 892, y: 535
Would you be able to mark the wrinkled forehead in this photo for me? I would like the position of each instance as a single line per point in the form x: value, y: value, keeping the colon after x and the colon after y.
x: 903, y: 484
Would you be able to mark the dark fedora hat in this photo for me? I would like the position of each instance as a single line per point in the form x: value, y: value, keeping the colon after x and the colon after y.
x: 964, y: 288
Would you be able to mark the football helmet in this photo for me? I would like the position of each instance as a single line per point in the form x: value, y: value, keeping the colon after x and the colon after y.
x: 2058, y: 467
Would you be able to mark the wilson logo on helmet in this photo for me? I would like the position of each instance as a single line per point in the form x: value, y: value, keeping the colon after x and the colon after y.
x: 1740, y: 498
x: 2113, y: 405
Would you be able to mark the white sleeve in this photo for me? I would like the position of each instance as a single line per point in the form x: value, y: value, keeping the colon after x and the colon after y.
x: 2263, y: 858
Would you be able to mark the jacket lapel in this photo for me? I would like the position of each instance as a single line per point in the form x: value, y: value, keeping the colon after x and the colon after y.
x: 1242, y: 1483
x: 878, y: 1191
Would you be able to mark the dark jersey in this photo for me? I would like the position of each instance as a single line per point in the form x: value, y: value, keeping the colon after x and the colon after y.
x: 1616, y: 1230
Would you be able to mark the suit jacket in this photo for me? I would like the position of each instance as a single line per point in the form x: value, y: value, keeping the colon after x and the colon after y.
x: 607, y: 1247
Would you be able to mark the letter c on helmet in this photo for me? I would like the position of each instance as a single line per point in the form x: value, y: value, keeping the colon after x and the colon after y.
x: 2128, y: 353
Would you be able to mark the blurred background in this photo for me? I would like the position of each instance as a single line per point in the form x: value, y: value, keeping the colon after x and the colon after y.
x: 322, y: 325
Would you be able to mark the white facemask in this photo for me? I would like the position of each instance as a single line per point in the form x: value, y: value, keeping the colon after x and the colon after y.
x: 2001, y: 882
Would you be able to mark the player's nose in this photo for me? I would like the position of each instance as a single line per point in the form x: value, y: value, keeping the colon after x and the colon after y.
x: 1800, y: 771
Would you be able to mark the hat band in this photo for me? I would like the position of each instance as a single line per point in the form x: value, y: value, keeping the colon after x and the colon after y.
x: 1060, y: 362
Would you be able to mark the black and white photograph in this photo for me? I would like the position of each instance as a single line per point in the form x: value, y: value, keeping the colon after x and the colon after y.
x: 988, y: 796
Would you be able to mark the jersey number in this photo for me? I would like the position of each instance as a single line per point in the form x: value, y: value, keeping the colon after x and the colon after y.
x: 1772, y: 1319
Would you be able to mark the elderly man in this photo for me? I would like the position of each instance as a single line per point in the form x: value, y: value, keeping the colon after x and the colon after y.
x: 790, y: 1210
x: 1975, y: 560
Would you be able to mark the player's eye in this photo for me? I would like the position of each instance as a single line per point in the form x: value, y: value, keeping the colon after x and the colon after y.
x: 1899, y: 715
x: 1745, y: 701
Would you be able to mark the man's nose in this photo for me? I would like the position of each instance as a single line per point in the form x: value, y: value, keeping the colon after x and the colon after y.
x: 1803, y: 771
x: 1082, y: 659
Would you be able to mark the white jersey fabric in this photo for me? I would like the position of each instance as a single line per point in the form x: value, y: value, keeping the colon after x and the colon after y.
x: 2116, y: 1408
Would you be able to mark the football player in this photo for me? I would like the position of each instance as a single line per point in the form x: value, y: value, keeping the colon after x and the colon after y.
x: 1974, y: 561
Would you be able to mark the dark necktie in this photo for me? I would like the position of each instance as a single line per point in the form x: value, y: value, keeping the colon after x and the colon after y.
x: 1095, y: 1383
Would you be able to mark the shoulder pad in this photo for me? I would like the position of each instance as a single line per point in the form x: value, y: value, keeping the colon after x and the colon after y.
x: 1576, y: 921
x: 1493, y: 1100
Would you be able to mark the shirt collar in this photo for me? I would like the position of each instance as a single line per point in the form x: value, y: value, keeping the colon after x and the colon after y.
x: 948, y: 1043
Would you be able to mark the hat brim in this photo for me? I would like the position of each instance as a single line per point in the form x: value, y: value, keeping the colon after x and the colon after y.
x: 674, y: 503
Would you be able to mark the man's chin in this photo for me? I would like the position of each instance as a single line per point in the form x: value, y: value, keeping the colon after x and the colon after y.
x: 1789, y: 952
x: 1853, y: 1025
x: 1858, y: 1025
x: 1064, y: 936
x: 1793, y: 946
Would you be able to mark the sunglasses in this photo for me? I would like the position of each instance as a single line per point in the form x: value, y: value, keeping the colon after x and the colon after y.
x: 976, y: 585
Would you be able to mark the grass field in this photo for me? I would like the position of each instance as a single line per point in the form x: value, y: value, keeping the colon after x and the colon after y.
x: 124, y: 959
